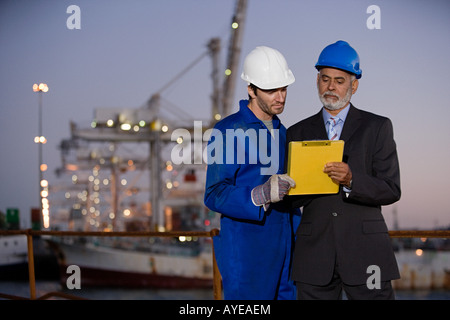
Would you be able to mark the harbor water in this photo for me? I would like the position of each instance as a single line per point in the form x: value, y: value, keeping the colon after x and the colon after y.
x: 22, y: 289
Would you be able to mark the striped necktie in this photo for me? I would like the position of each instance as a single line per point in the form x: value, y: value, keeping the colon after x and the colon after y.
x: 332, y: 134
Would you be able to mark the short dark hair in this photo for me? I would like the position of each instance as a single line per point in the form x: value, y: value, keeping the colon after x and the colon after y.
x: 253, y: 87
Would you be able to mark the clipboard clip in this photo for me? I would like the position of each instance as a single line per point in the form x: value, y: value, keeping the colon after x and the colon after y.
x: 320, y: 143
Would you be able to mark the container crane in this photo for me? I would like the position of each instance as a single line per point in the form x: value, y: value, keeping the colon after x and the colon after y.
x: 224, y: 99
x: 234, y: 52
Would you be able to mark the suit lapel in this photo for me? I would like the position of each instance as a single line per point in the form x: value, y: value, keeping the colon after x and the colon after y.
x: 352, y: 123
x: 318, y: 127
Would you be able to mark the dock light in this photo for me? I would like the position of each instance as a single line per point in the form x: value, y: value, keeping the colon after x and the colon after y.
x: 155, y: 125
x: 40, y: 140
x: 45, y: 204
x: 40, y: 87
x: 46, y: 218
x: 125, y: 126
x: 235, y: 25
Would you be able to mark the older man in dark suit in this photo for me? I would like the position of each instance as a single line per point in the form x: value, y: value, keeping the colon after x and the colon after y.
x: 342, y: 241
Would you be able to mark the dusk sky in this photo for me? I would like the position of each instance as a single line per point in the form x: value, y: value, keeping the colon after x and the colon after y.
x: 127, y: 50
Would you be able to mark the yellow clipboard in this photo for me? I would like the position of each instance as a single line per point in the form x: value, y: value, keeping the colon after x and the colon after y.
x: 306, y: 161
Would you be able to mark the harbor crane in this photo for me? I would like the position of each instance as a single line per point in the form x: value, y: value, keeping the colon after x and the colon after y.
x: 116, y: 126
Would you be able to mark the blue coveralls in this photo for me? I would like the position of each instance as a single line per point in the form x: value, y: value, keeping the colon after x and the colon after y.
x: 253, y: 249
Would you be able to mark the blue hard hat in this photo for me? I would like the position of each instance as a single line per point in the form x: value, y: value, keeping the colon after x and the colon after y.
x: 340, y: 55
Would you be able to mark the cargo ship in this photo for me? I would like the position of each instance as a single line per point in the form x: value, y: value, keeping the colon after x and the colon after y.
x: 152, y: 263
x: 13, y: 257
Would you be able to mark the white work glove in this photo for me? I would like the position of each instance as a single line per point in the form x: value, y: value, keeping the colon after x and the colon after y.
x: 273, y: 190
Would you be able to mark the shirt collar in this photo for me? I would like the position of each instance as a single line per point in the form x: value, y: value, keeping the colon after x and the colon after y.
x: 341, y: 115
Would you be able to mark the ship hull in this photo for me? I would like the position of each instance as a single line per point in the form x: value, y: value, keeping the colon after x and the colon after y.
x: 428, y: 270
x: 97, y: 277
x: 127, y: 268
x: 13, y: 257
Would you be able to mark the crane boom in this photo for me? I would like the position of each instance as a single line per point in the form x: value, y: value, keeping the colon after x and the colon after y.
x: 234, y: 52
x: 214, y: 49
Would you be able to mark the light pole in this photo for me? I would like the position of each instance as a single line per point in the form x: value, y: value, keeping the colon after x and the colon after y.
x: 40, y: 139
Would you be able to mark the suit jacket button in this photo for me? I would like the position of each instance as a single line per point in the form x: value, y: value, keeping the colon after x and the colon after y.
x: 334, y: 214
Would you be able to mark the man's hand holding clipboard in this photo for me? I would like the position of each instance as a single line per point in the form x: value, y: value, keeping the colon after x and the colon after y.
x: 316, y: 166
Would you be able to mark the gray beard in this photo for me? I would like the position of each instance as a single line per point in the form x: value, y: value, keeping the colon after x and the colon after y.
x: 338, y: 104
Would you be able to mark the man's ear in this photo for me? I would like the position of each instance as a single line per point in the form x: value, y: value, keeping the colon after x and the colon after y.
x: 355, y: 85
x: 251, y: 93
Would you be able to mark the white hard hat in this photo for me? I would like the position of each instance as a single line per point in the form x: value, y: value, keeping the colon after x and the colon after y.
x: 266, y: 68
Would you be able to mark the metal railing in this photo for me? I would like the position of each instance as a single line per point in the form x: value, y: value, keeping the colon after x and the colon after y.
x: 217, y: 280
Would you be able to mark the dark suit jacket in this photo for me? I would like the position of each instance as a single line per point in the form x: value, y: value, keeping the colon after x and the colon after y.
x: 349, y: 229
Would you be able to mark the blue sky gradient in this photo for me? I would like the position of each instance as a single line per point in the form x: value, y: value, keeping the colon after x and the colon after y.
x: 127, y: 50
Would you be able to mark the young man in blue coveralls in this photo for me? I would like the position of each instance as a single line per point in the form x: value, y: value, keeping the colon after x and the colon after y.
x: 245, y: 185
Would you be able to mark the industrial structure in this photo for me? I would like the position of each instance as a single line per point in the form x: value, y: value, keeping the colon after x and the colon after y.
x: 126, y: 142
